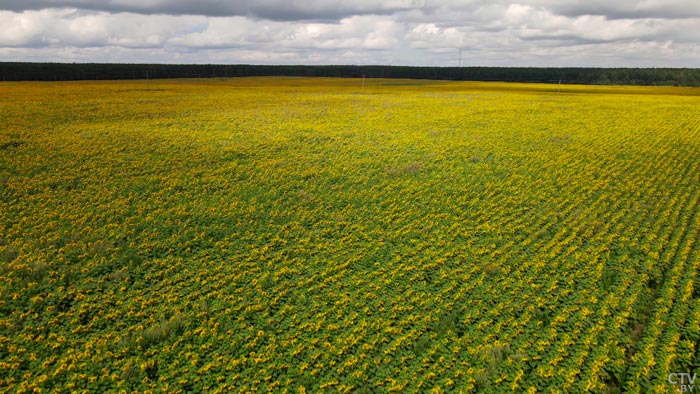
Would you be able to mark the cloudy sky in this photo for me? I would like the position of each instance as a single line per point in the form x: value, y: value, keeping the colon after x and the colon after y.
x: 606, y: 33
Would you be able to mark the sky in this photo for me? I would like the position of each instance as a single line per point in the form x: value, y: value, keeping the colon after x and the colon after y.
x: 546, y: 33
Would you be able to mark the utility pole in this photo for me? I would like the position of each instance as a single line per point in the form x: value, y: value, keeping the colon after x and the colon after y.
x: 460, y: 57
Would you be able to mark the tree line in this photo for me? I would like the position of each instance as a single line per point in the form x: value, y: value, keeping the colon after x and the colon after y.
x: 574, y: 75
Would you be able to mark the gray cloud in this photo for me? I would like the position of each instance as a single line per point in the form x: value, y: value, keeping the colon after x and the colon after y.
x: 628, y: 9
x: 263, y: 9
x: 410, y: 32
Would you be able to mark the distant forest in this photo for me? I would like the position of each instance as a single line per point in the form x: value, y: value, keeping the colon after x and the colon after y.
x: 596, y: 76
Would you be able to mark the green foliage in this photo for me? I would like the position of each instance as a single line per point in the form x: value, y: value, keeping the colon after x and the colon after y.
x: 572, y: 75
x: 263, y: 234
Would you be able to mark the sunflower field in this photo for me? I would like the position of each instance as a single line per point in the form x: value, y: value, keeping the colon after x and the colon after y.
x: 334, y: 235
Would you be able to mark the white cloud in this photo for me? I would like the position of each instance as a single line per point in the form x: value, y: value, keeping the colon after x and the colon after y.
x: 74, y: 28
x: 357, y: 32
x: 431, y: 37
x: 232, y: 32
